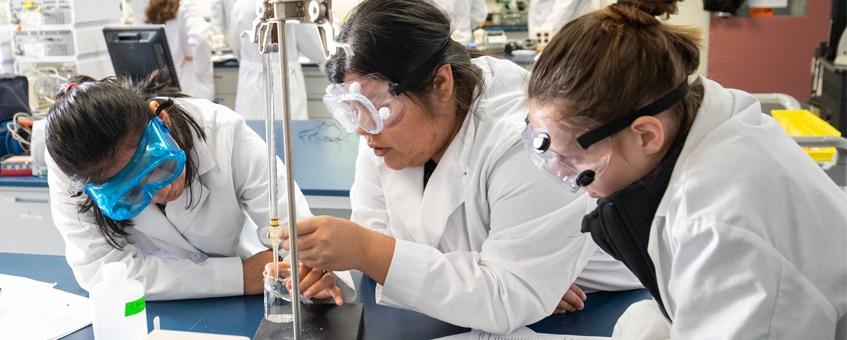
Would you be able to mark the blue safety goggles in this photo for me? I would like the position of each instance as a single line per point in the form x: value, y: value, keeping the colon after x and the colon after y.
x: 157, y: 162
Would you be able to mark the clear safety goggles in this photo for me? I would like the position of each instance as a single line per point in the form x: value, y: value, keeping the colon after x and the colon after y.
x: 157, y: 162
x: 374, y: 102
x: 579, y: 156
x: 570, y: 164
x: 369, y: 103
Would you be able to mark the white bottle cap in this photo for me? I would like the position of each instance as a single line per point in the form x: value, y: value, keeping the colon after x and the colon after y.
x: 114, y: 271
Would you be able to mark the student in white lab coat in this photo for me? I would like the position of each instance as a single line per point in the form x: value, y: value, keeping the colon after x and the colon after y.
x: 115, y: 147
x: 551, y: 15
x: 189, y: 39
x: 465, y: 16
x: 735, y: 231
x: 221, y: 13
x: 249, y: 95
x: 449, y: 215
x: 138, y: 8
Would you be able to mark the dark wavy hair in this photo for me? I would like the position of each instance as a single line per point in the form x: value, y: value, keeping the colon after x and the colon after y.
x: 161, y: 11
x: 90, y: 122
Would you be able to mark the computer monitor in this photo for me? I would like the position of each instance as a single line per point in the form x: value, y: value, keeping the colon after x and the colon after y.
x: 136, y: 51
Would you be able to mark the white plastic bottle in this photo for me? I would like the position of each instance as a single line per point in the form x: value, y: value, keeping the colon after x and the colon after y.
x: 118, y: 305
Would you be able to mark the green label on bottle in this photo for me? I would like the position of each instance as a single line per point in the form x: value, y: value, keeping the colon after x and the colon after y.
x: 134, y: 307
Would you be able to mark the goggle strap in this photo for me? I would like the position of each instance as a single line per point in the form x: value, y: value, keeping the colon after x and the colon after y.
x: 163, y: 106
x: 404, y: 84
x: 669, y: 99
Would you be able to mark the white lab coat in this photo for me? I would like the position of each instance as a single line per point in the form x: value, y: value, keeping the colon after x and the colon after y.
x: 341, y: 9
x: 185, y: 252
x: 250, y: 94
x: 552, y: 15
x: 221, y: 14
x: 492, y: 243
x: 465, y: 16
x: 189, y: 39
x: 138, y: 11
x: 749, y: 239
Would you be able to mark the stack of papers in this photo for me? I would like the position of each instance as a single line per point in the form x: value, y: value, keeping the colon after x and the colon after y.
x: 31, y: 309
x: 522, y: 333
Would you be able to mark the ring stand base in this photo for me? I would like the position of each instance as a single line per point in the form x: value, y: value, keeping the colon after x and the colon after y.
x: 320, y: 321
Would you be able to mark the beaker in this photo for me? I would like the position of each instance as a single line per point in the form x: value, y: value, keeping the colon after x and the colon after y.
x: 278, y: 297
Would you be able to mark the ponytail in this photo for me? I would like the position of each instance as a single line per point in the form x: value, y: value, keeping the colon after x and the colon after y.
x: 619, y: 57
x: 93, y: 121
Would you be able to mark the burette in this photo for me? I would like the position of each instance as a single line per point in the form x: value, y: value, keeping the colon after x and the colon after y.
x: 273, y: 31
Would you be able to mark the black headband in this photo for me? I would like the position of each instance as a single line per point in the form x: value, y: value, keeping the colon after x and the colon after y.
x: 669, y: 99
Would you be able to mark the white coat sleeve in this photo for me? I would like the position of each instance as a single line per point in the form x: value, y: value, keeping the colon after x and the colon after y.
x: 241, y: 20
x: 730, y: 283
x: 479, y: 11
x: 367, y: 199
x: 163, y: 278
x: 565, y: 11
x: 309, y: 43
x: 642, y: 321
x: 449, y: 8
x: 199, y: 38
x: 250, y: 178
x: 218, y: 20
x: 533, y: 252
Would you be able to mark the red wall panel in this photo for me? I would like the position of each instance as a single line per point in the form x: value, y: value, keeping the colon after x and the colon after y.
x: 768, y: 54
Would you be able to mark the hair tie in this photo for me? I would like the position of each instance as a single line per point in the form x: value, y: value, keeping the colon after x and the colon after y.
x: 164, y: 106
x: 70, y: 86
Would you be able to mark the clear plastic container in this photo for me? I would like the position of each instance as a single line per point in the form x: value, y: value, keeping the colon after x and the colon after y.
x: 278, y: 297
x: 118, y: 305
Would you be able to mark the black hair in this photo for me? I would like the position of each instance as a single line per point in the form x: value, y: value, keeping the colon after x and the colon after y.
x: 92, y: 120
x: 399, y: 39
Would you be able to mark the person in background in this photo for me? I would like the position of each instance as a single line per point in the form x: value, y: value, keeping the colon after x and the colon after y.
x: 551, y: 15
x: 138, y: 8
x: 220, y: 19
x: 250, y: 93
x: 732, y: 228
x: 450, y: 217
x: 189, y: 39
x: 465, y: 16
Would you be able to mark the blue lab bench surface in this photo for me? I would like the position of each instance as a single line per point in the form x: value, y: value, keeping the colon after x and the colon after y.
x: 241, y: 315
x: 324, y: 158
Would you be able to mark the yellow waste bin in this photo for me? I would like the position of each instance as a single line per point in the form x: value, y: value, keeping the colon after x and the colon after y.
x: 802, y: 123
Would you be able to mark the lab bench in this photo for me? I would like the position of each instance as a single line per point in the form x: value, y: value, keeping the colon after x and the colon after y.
x: 241, y: 315
x: 324, y: 161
